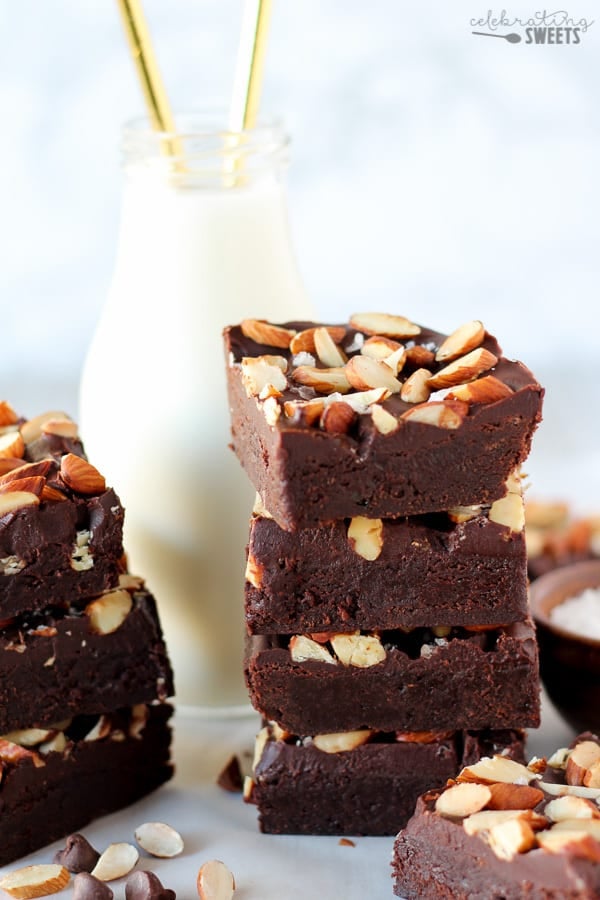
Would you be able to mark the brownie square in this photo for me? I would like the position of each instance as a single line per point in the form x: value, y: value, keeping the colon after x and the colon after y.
x: 430, y: 571
x: 308, y: 473
x: 369, y: 790
x: 406, y: 682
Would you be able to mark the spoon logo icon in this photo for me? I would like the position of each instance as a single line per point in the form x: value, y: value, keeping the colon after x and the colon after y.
x: 512, y: 37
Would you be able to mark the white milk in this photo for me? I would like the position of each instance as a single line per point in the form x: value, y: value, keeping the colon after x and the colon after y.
x: 192, y: 258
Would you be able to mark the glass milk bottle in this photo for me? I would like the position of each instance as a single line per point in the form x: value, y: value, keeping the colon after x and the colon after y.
x: 202, y: 244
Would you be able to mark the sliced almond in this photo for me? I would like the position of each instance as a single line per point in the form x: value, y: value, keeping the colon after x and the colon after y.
x: 395, y: 361
x: 32, y: 429
x: 338, y: 418
x: 215, y: 881
x: 564, y: 808
x: 592, y: 776
x: 325, y: 381
x: 309, y: 410
x: 488, y: 818
x: 420, y: 357
x: 247, y: 789
x: 384, y: 421
x: 360, y: 650
x: 304, y: 341
x: 327, y: 350
x: 303, y: 648
x: 385, y: 324
x: 422, y: 737
x: 587, y: 826
x: 265, y: 333
x: 260, y: 371
x: 100, y: 730
x: 366, y: 537
x: 570, y: 790
x: 379, y: 347
x: 488, y: 389
x: 27, y: 470
x: 496, y: 768
x: 462, y: 800
x: 269, y: 391
x: 51, y: 494
x: 461, y: 514
x: 159, y: 839
x: 341, y: 741
x: 278, y: 733
x: 7, y: 414
x: 362, y: 401
x: 56, y: 744
x: 416, y: 387
x: 108, y: 612
x: 464, y: 369
x: 365, y: 373
x: 34, y: 485
x: 260, y: 743
x: 581, y: 758
x: 576, y: 843
x: 271, y: 410
x: 14, y: 753
x: 12, y: 444
x: 35, y: 881
x: 466, y: 337
x: 254, y: 572
x: 61, y: 428
x: 435, y: 413
x: 14, y: 500
x: 80, y: 475
x: 116, y: 861
x: 28, y: 737
x: 508, y: 839
x: 514, y: 796
x: 509, y: 511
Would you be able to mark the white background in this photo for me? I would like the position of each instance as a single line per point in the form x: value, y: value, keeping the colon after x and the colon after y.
x: 434, y: 173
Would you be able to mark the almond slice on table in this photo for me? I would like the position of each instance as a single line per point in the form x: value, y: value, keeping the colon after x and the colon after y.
x: 108, y: 612
x: 265, y: 333
x: 462, y: 800
x: 260, y: 371
x: 12, y: 445
x: 509, y: 511
x: 384, y: 324
x: 435, y: 413
x: 465, y: 338
x: 366, y: 537
x: 80, y: 475
x: 364, y: 374
x: 35, y: 881
x: 342, y: 741
x: 325, y: 381
x: 327, y: 350
x: 116, y: 861
x: 159, y: 839
x: 303, y: 648
x: 215, y: 881
x: 360, y: 650
x: 488, y: 389
x: 496, y: 768
x: 416, y: 387
x: 384, y: 421
x: 465, y: 368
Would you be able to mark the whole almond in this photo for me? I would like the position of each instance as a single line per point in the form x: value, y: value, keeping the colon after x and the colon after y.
x: 265, y: 333
x: 338, y: 418
x: 465, y: 368
x: 488, y: 389
x: 34, y: 484
x: 514, y: 796
x: 27, y: 470
x: 215, y: 881
x: 78, y: 474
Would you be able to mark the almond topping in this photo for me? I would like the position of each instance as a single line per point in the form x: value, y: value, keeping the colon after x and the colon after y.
x: 592, y: 776
x: 488, y: 818
x: 360, y: 650
x: 420, y: 357
x: 509, y: 511
x: 260, y: 371
x: 159, y: 839
x: 303, y: 648
x: 464, y: 369
x: 27, y: 470
x: 461, y: 514
x: 384, y: 324
x: 32, y: 429
x: 514, y: 796
x: 13, y: 753
x: 434, y: 413
x: 488, y: 389
x: 416, y: 387
x: 462, y: 800
x: 466, y: 337
x: 496, y: 768
x: 265, y: 333
x: 51, y: 493
x: 326, y: 381
x: 7, y: 414
x: 587, y: 826
x: 395, y: 361
x: 254, y: 572
x: 259, y: 745
x: 304, y: 341
x: 271, y: 410
x: 9, y: 464
x: 507, y: 839
x: 327, y: 350
x: 28, y: 737
x: 362, y: 401
x: 383, y: 420
x: 571, y: 808
x: 14, y: 500
x: 215, y: 881
x: 365, y: 373
x: 582, y: 757
x: 309, y: 410
x: 116, y: 861
x: 338, y: 418
x: 366, y: 537
x: 12, y: 444
x: 35, y: 881
x: 109, y: 611
x: 61, y: 427
x: 34, y: 485
x: 577, y: 843
x: 80, y: 475
x: 379, y: 347
x: 341, y: 741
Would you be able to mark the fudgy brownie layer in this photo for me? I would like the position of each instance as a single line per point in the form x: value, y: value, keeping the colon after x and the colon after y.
x: 431, y: 571
x: 371, y: 790
x: 40, y: 803
x: 307, y: 476
x: 54, y: 664
x: 61, y: 551
x: 468, y: 681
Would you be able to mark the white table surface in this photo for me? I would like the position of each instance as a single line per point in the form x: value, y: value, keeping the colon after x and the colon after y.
x: 216, y: 824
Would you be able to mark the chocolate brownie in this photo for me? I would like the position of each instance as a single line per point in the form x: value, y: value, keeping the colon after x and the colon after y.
x: 369, y: 789
x: 430, y: 570
x: 70, y: 777
x: 60, y: 537
x: 322, y: 439
x: 397, y: 681
x: 502, y: 833
x: 59, y: 663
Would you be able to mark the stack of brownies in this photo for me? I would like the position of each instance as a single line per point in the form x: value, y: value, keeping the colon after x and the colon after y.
x: 389, y: 638
x: 83, y: 668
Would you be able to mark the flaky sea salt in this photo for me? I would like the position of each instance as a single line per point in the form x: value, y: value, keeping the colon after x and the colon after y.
x: 580, y: 614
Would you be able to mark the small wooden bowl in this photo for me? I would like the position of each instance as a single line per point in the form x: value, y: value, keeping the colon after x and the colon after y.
x: 569, y: 663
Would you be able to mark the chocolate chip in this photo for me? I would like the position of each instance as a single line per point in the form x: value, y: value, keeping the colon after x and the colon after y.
x: 86, y: 887
x: 78, y: 855
x: 230, y: 779
x: 142, y: 885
